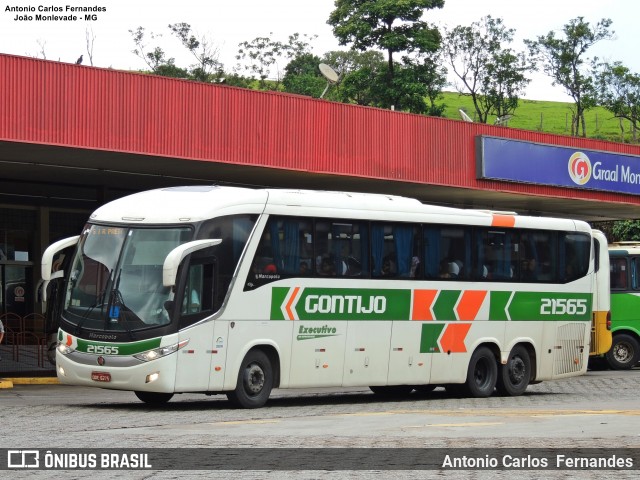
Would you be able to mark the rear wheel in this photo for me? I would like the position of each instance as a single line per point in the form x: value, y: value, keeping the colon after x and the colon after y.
x: 482, y: 374
x: 255, y: 381
x: 513, y: 378
x: 624, y: 353
x: 154, y: 398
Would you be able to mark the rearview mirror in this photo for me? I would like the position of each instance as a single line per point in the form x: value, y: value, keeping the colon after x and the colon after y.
x: 175, y: 257
x: 50, y: 252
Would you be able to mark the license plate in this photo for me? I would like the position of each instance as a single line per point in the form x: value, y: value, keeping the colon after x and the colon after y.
x: 101, y: 376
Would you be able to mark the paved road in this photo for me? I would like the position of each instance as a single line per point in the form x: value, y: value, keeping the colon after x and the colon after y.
x: 595, y: 410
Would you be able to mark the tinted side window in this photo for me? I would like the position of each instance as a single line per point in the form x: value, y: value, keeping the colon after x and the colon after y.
x: 341, y: 248
x: 574, y: 254
x: 447, y: 252
x: 618, y: 267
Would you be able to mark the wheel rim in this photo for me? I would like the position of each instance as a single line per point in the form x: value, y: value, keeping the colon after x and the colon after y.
x: 481, y: 373
x: 622, y: 353
x: 517, y: 370
x: 254, y: 379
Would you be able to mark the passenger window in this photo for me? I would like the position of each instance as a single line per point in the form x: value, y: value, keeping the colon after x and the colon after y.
x: 285, y: 250
x: 618, y: 267
x: 447, y: 252
x: 574, y: 253
x: 537, y: 262
x: 498, y: 255
x: 341, y: 248
x: 393, y: 250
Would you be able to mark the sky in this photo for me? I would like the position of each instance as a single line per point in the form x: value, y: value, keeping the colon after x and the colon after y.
x: 228, y: 23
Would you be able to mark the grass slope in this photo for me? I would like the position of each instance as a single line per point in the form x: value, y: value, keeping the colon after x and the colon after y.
x: 547, y: 117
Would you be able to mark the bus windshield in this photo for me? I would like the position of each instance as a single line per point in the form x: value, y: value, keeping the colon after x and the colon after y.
x: 115, y: 281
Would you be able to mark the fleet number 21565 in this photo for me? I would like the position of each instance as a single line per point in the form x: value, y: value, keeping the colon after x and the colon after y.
x: 563, y: 306
x: 102, y: 349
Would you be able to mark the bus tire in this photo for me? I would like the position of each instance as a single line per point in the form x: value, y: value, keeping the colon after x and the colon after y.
x: 255, y: 381
x: 154, y: 398
x: 513, y: 378
x: 392, y: 390
x: 482, y: 374
x: 624, y: 353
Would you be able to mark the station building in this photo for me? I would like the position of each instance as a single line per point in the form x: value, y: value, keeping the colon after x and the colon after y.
x: 73, y: 137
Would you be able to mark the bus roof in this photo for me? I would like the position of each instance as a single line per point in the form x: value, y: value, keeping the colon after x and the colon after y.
x: 188, y: 204
x: 625, y: 248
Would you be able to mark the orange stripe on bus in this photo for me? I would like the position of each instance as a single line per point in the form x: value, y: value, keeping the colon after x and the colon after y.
x: 470, y: 303
x: 453, y: 337
x: 422, y: 301
x: 290, y: 302
x: 503, y: 221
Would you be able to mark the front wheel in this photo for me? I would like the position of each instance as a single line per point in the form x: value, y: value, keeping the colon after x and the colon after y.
x: 482, y: 374
x: 624, y: 353
x: 255, y: 381
x: 154, y: 398
x: 513, y: 378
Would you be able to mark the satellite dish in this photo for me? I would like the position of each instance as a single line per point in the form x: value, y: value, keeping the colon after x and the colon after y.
x: 502, y: 120
x: 464, y: 116
x: 330, y: 74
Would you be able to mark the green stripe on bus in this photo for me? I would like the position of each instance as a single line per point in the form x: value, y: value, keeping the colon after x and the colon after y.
x: 445, y: 303
x: 429, y: 337
x: 548, y: 306
x: 278, y: 294
x: 122, y: 348
x: 342, y: 304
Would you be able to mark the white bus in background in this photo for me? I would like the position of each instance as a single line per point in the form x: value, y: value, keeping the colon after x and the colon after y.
x: 239, y: 291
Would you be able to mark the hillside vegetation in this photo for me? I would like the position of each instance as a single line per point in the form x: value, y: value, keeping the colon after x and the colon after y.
x: 548, y: 117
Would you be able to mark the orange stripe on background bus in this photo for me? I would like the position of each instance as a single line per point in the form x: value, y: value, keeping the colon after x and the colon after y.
x: 508, y: 221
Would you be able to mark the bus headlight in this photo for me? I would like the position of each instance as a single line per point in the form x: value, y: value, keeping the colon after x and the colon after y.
x: 160, y: 351
x: 64, y: 349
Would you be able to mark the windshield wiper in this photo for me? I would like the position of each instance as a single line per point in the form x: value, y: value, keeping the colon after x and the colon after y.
x: 116, y: 306
x: 99, y: 302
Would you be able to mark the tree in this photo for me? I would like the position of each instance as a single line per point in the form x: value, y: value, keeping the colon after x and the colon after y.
x: 618, y: 91
x: 155, y: 58
x: 264, y: 54
x: 303, y: 77
x: 563, y: 59
x: 207, y: 68
x: 391, y: 26
x: 494, y: 76
x: 91, y: 40
x: 359, y: 73
x: 626, y: 230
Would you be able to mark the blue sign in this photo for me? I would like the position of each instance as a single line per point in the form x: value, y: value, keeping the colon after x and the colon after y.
x: 527, y: 162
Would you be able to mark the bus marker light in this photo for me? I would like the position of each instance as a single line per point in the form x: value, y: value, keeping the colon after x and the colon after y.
x: 217, y: 369
x: 325, y: 366
x: 152, y: 377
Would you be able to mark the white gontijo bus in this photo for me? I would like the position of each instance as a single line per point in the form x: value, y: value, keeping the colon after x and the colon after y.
x: 238, y: 291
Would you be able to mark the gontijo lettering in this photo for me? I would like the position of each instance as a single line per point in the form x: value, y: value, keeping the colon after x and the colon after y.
x: 344, y: 304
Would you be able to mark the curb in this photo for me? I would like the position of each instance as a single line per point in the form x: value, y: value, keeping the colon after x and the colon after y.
x: 4, y: 383
x: 10, y: 382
